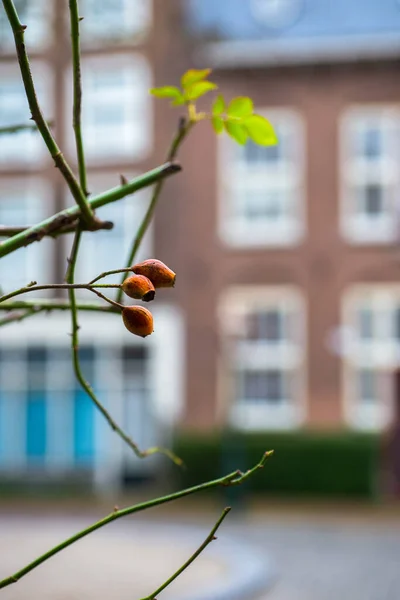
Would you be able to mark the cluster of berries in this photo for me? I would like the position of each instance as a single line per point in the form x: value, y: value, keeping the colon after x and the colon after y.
x: 149, y: 275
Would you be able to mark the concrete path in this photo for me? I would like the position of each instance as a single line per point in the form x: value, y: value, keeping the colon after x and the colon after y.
x: 312, y: 557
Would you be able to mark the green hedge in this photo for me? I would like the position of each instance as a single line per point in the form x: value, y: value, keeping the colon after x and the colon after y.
x: 309, y: 464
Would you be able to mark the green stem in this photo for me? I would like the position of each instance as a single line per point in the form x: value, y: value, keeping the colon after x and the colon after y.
x: 207, y: 541
x: 60, y: 162
x: 69, y: 215
x: 77, y: 108
x: 107, y: 273
x: 235, y: 478
x: 56, y: 286
x: 48, y: 305
x: 20, y: 127
x: 183, y: 129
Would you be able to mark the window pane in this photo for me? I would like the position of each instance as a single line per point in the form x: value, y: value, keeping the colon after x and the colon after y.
x: 266, y: 325
x: 115, y: 115
x: 36, y: 426
x: 115, y: 19
x: 268, y: 386
x: 367, y: 386
x: 31, y: 13
x: 365, y: 323
x: 396, y: 328
x: 373, y: 199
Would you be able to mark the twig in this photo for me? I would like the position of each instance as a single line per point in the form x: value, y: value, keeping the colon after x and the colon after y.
x: 107, y: 273
x: 59, y: 160
x: 235, y: 478
x: 183, y: 129
x: 16, y: 317
x: 6, y: 231
x: 20, y: 127
x: 64, y: 218
x: 76, y: 71
x: 39, y: 306
x: 49, y: 305
x: 61, y: 286
x: 211, y: 537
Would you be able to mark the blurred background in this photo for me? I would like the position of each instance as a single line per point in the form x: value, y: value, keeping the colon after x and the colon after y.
x: 283, y: 330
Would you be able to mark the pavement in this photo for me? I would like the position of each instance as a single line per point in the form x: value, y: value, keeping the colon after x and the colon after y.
x: 264, y: 553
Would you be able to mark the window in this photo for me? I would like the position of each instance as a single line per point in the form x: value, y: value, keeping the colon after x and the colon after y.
x: 25, y: 201
x: 116, y: 111
x: 263, y: 331
x: 25, y: 147
x: 108, y: 250
x: 370, y: 175
x: 36, y: 15
x: 372, y: 313
x: 49, y: 425
x: 115, y: 20
x: 262, y: 187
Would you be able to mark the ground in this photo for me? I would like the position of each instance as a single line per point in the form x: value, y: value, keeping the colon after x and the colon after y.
x: 306, y: 553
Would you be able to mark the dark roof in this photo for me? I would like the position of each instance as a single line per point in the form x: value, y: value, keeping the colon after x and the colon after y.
x: 284, y: 30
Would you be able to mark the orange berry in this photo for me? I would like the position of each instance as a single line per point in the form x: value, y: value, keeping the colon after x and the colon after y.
x: 139, y: 287
x: 138, y: 320
x: 159, y: 274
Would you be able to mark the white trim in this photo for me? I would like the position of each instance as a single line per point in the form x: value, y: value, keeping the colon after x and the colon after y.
x: 286, y: 355
x: 356, y: 227
x: 135, y: 142
x: 308, y: 50
x: 287, y: 230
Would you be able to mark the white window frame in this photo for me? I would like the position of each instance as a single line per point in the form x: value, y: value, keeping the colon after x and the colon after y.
x: 356, y: 227
x: 31, y: 151
x: 380, y: 354
x: 38, y: 33
x: 286, y: 355
x: 132, y: 33
x: 126, y: 150
x: 39, y: 257
x: 237, y: 231
x: 106, y: 331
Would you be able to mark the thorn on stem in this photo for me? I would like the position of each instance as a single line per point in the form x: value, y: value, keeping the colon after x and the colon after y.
x: 116, y: 508
x: 123, y: 179
x: 80, y: 18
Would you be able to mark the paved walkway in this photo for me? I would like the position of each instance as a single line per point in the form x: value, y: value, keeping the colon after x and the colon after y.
x: 314, y: 557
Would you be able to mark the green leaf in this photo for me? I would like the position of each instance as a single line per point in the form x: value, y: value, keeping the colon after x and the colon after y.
x: 199, y: 89
x: 218, y: 124
x: 240, y: 107
x: 260, y: 130
x: 236, y: 131
x: 168, y: 91
x: 218, y: 105
x: 193, y: 76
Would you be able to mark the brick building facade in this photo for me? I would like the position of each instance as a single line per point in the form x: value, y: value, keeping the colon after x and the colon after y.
x: 287, y: 301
